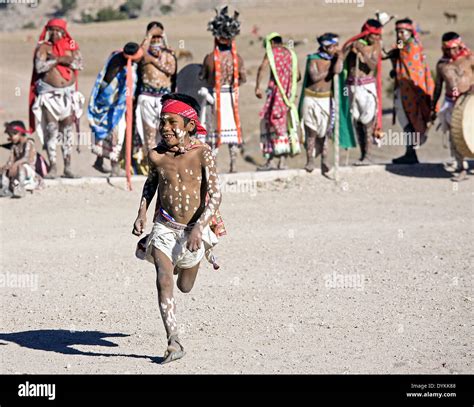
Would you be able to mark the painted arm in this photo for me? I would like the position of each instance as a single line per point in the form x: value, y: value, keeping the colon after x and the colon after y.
x: 28, y: 154
x: 42, y: 63
x: 315, y: 73
x: 146, y: 42
x: 214, y: 199
x: 149, y: 190
x: 77, y: 62
x: 25, y: 158
x: 371, y: 57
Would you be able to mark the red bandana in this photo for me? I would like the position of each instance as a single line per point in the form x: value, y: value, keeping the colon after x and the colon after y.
x: 366, y: 30
x: 20, y: 129
x: 184, y: 110
x: 66, y: 43
x: 457, y: 42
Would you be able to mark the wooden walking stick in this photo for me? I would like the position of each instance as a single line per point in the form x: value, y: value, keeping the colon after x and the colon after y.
x: 336, y: 128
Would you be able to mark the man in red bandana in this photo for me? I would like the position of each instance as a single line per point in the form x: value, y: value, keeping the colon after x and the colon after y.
x: 414, y: 88
x: 55, y: 104
x: 183, y: 170
x: 456, y: 70
x: 363, y: 60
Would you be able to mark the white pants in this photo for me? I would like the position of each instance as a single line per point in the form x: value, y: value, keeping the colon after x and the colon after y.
x: 148, y: 112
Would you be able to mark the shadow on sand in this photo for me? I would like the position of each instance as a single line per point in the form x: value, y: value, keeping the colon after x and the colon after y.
x: 419, y: 170
x: 62, y: 341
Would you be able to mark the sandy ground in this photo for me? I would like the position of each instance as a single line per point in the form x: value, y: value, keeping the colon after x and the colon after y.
x: 371, y: 276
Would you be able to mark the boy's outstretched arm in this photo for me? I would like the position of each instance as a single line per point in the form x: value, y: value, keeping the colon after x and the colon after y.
x: 149, y: 190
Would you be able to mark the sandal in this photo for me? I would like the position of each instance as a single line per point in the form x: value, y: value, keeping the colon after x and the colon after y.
x: 461, y: 176
x: 173, y: 352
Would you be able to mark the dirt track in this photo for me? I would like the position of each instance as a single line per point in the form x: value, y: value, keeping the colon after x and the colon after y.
x: 369, y: 276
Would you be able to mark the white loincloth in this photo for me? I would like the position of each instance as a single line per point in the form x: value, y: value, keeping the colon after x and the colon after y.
x: 316, y: 113
x: 445, y: 114
x: 32, y: 179
x: 148, y: 110
x: 172, y: 242
x: 229, y: 134
x: 363, y: 102
x: 60, y: 102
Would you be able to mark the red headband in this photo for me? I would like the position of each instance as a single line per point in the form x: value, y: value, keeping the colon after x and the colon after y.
x: 184, y: 110
x: 62, y: 24
x: 366, y: 30
x: 57, y: 22
x: 371, y: 30
x: 456, y: 42
x: 405, y: 26
x: 19, y: 129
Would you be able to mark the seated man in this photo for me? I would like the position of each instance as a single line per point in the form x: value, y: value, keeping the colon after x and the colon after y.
x: 19, y: 174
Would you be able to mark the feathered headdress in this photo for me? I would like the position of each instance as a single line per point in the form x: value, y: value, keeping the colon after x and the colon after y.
x: 224, y: 25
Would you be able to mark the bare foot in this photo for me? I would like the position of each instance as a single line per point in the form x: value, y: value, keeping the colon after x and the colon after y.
x: 309, y: 166
x: 282, y: 164
x: 325, y: 169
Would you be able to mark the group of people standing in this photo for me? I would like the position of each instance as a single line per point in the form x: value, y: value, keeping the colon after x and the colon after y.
x: 127, y: 97
x: 357, y: 65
